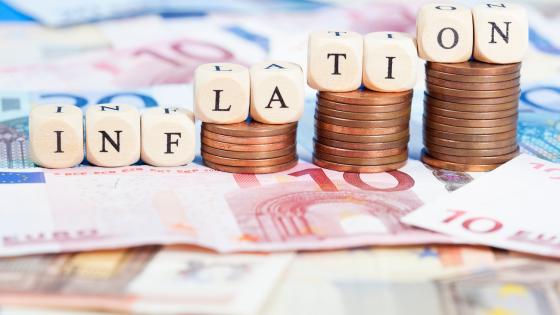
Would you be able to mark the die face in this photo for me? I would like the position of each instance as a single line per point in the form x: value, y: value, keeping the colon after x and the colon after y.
x: 112, y: 135
x: 221, y: 93
x: 444, y: 33
x: 56, y: 136
x: 277, y: 92
x: 501, y: 32
x: 334, y: 61
x: 168, y: 136
x: 390, y: 62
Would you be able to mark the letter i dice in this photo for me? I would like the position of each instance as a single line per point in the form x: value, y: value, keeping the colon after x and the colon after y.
x: 56, y: 135
x: 221, y: 93
x: 390, y: 61
x: 444, y: 33
x: 168, y: 136
x: 334, y: 61
x: 277, y: 95
x: 501, y: 32
x: 112, y: 135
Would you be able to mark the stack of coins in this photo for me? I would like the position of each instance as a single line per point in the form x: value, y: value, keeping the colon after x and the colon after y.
x: 249, y: 147
x: 362, y: 131
x: 470, y: 115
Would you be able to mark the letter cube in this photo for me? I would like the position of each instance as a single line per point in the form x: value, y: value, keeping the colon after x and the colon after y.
x: 277, y: 94
x: 168, y: 136
x: 112, y: 135
x: 501, y: 32
x: 444, y: 33
x: 390, y: 62
x: 56, y: 135
x: 221, y: 93
x: 334, y: 61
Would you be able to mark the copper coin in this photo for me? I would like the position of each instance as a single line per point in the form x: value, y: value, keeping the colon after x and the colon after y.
x: 457, y: 167
x: 474, y: 67
x: 357, y: 168
x: 318, y: 147
x: 249, y: 140
x: 250, y: 154
x: 361, y: 139
x: 431, y: 110
x: 475, y: 101
x: 367, y: 97
x: 363, y: 123
x: 470, y: 137
x: 436, y: 89
x: 363, y: 108
x: 474, y: 159
x: 434, y: 102
x: 475, y: 86
x: 246, y: 147
x: 251, y: 170
x: 363, y: 146
x: 469, y: 152
x: 360, y: 131
x: 471, y: 78
x: 468, y: 130
x: 471, y: 123
x: 362, y: 161
x: 470, y: 144
x: 250, y: 129
x: 248, y: 162
x: 363, y: 116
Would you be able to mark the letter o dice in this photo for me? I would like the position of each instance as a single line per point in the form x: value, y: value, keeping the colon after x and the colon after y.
x: 390, y: 62
x: 112, y: 135
x: 334, y: 61
x: 221, y: 93
x: 444, y: 33
x: 56, y: 135
x: 277, y: 95
x: 501, y: 32
x: 168, y: 136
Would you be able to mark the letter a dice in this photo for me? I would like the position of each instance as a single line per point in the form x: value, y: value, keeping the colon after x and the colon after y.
x: 390, y: 62
x: 56, y: 135
x: 444, y: 33
x: 277, y: 95
x: 112, y: 135
x: 501, y: 32
x: 334, y: 61
x: 221, y: 93
x: 168, y: 136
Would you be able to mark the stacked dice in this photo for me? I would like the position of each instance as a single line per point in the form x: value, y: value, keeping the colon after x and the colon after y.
x: 362, y: 129
x: 471, y: 106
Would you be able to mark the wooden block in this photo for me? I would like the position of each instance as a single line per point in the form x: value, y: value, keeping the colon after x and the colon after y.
x: 390, y: 61
x: 444, y: 32
x: 334, y: 61
x: 168, y: 136
x: 501, y: 32
x: 56, y: 135
x: 112, y: 135
x: 221, y: 93
x: 277, y: 95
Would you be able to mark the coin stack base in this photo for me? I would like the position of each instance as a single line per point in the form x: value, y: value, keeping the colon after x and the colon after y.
x: 362, y: 131
x: 249, y: 147
x: 470, y: 115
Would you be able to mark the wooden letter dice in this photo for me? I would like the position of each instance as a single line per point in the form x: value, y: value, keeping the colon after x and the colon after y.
x: 444, y: 33
x: 390, y: 62
x: 112, y: 135
x: 56, y: 135
x: 277, y: 95
x: 334, y: 61
x: 168, y: 136
x: 501, y: 32
x: 221, y: 93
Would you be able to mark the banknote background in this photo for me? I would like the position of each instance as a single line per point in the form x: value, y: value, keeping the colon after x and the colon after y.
x: 68, y: 236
